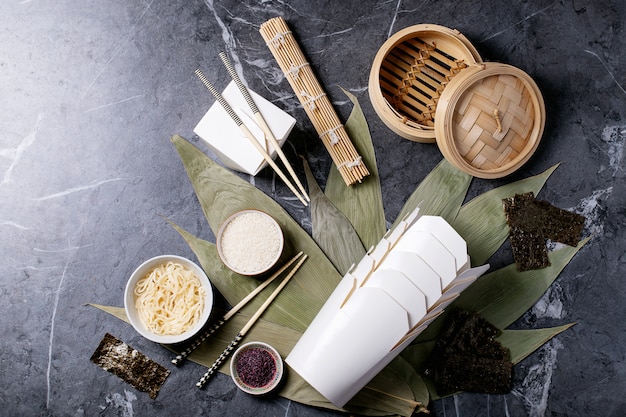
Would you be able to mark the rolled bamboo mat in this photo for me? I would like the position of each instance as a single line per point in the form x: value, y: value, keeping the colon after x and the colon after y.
x: 318, y: 107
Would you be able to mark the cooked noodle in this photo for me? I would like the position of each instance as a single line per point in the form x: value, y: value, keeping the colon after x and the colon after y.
x: 169, y: 299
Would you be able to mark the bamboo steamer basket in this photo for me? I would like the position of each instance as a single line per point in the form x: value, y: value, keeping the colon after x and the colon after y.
x: 428, y: 84
x: 409, y: 74
x: 489, y: 120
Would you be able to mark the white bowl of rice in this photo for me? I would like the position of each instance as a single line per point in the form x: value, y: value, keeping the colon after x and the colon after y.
x: 250, y: 242
x: 168, y: 299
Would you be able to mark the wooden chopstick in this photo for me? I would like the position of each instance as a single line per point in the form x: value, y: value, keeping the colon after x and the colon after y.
x: 262, y: 122
x: 218, y: 96
x: 233, y: 344
x: 220, y: 322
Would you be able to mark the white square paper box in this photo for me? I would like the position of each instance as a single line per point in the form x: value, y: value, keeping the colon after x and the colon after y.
x: 382, y: 304
x: 227, y: 140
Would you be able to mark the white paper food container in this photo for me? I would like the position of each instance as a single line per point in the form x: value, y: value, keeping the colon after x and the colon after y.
x: 227, y: 140
x: 381, y: 305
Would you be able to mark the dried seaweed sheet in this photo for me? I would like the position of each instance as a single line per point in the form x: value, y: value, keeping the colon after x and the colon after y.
x: 132, y: 366
x: 467, y: 357
x: 531, y: 222
x: 529, y: 249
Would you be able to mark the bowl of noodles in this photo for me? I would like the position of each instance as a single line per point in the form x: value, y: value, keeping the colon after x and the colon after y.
x: 168, y: 299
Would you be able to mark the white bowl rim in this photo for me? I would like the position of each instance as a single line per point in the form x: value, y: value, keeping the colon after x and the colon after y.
x: 233, y: 268
x: 279, y: 368
x: 139, y: 272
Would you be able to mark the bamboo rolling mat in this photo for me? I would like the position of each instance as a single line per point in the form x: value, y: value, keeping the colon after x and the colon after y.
x: 318, y: 107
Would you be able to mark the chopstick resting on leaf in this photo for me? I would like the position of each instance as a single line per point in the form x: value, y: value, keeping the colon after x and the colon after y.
x: 231, y: 347
x: 220, y: 322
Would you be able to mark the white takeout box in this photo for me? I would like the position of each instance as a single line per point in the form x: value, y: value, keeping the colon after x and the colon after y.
x: 227, y: 140
x: 382, y: 304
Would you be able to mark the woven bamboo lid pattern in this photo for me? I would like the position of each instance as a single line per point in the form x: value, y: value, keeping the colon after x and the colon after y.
x: 409, y: 74
x: 489, y: 120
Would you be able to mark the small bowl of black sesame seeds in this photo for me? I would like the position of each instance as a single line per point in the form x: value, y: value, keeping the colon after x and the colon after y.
x: 256, y: 368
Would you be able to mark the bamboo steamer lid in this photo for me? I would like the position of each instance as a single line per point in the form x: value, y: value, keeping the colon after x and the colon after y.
x: 489, y: 120
x: 411, y: 71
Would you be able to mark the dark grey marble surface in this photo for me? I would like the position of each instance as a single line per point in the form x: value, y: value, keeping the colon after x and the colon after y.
x: 92, y: 90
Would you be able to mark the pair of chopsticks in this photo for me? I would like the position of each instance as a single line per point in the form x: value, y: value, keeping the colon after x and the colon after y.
x: 301, y: 194
x: 180, y: 358
x: 233, y: 344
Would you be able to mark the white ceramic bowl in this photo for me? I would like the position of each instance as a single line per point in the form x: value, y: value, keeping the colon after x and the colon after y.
x: 250, y: 242
x: 129, y: 299
x: 270, y: 381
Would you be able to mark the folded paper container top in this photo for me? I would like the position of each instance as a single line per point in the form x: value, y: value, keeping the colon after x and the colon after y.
x: 382, y: 304
x: 429, y: 84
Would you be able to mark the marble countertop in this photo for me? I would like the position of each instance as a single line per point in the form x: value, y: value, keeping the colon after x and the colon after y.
x: 93, y: 90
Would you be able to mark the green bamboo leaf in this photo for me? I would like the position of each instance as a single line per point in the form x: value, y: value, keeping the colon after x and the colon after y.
x: 482, y: 223
x: 283, y: 337
x: 522, y: 343
x: 221, y: 193
x: 441, y: 193
x: 118, y: 312
x: 395, y: 397
x: 232, y: 286
x: 296, y: 305
x: 332, y: 230
x: 361, y: 203
x: 401, y: 369
x: 502, y: 296
x: 417, y: 354
x: 376, y: 399
x: 385, y: 391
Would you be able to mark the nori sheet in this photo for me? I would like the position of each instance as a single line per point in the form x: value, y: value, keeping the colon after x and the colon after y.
x: 132, y: 366
x: 467, y: 357
x: 532, y: 222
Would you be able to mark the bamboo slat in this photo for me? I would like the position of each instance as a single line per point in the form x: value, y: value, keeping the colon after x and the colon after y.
x: 314, y: 100
x: 410, y: 72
